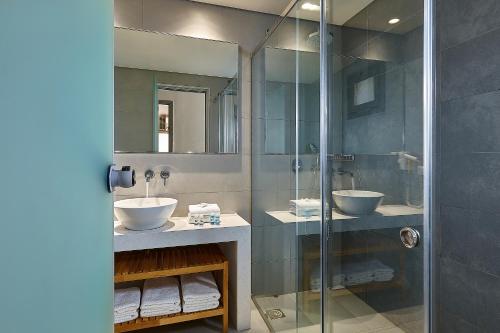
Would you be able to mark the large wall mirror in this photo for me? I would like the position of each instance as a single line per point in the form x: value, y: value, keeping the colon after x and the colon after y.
x: 175, y: 94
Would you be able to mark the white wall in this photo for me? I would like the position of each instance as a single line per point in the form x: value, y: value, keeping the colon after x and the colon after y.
x: 189, y: 119
x: 224, y: 179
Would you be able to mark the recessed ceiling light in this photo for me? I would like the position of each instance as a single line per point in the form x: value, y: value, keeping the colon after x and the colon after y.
x: 394, y: 20
x: 310, y: 6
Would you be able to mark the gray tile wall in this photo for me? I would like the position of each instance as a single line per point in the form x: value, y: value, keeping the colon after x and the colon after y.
x: 469, y: 166
x: 224, y: 179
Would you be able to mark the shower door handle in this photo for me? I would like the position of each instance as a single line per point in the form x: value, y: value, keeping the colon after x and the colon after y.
x: 410, y: 237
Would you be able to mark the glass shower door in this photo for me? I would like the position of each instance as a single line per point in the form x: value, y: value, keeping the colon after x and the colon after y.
x: 372, y: 176
x: 286, y: 281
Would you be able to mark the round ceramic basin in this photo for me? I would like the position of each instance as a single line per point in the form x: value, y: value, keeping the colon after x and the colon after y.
x: 144, y: 213
x: 356, y: 202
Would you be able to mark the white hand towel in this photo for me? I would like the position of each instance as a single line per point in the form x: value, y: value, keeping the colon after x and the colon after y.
x: 306, y: 203
x: 200, y: 307
x: 204, y: 208
x: 161, y: 291
x: 199, y: 286
x: 199, y: 302
x: 160, y: 311
x: 124, y: 317
x: 128, y: 299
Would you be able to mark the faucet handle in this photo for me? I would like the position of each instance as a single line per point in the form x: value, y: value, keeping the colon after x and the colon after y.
x: 165, y: 174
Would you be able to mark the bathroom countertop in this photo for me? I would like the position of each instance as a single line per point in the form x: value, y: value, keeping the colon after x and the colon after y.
x: 178, y: 232
x: 234, y: 238
x: 386, y: 216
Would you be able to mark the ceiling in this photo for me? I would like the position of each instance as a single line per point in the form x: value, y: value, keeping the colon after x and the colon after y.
x: 344, y: 9
x: 363, y: 14
x: 170, y: 53
x: 263, y: 6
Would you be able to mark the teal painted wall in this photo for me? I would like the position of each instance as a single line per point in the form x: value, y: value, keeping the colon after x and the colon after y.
x: 56, y: 137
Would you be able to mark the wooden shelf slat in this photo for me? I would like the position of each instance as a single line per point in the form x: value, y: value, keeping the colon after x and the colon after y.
x: 147, y: 264
x: 141, y: 323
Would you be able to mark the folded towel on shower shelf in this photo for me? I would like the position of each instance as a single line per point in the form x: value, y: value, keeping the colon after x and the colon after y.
x: 126, y: 304
x: 160, y: 297
x: 199, y: 287
x: 305, y: 207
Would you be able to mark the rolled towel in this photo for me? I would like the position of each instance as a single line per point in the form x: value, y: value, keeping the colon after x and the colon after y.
x: 125, y: 316
x: 200, y: 306
x: 127, y: 300
x: 199, y: 287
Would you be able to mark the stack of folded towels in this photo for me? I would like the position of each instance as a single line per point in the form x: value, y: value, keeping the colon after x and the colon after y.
x: 381, y: 272
x: 204, y: 213
x: 127, y: 302
x: 199, y: 292
x: 160, y: 297
x: 315, y: 280
x: 305, y: 207
x: 365, y: 272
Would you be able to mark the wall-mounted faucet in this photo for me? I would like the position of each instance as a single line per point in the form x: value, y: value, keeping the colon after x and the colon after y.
x: 165, y: 174
x: 149, y: 174
x: 342, y: 172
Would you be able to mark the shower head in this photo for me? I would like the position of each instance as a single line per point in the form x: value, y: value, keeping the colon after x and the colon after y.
x: 313, y: 148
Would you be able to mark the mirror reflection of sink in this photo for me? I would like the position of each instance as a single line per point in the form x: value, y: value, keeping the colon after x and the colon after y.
x: 144, y: 213
x: 357, y: 202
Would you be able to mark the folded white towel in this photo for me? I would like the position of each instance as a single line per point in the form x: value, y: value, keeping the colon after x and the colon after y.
x: 200, y: 307
x: 306, y: 203
x: 127, y: 299
x: 305, y: 207
x: 162, y: 291
x: 160, y: 311
x: 199, y: 302
x: 199, y: 287
x: 126, y: 316
x: 204, y: 208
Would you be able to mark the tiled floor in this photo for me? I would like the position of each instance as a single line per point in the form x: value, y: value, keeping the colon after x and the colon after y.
x: 211, y: 326
x: 349, y: 314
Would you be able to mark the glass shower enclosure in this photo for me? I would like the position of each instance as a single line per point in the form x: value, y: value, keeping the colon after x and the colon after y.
x: 339, y: 164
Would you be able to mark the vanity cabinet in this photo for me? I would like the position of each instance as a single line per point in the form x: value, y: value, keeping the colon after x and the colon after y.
x: 153, y: 263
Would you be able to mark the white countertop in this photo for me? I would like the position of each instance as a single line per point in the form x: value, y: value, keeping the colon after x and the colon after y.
x: 178, y: 232
x: 386, y: 216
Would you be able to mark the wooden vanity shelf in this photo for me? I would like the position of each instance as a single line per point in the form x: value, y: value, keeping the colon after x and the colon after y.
x: 149, y: 264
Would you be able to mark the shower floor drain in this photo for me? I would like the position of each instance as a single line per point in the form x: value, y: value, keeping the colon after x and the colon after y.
x: 275, y: 314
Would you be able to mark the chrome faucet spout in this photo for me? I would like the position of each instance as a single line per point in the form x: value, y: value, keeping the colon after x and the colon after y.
x: 149, y: 174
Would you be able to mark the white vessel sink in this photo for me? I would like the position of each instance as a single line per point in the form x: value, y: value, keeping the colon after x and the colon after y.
x: 356, y: 202
x: 144, y: 213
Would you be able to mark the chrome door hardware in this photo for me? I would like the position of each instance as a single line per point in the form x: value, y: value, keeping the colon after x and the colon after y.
x: 409, y: 237
x: 120, y: 178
